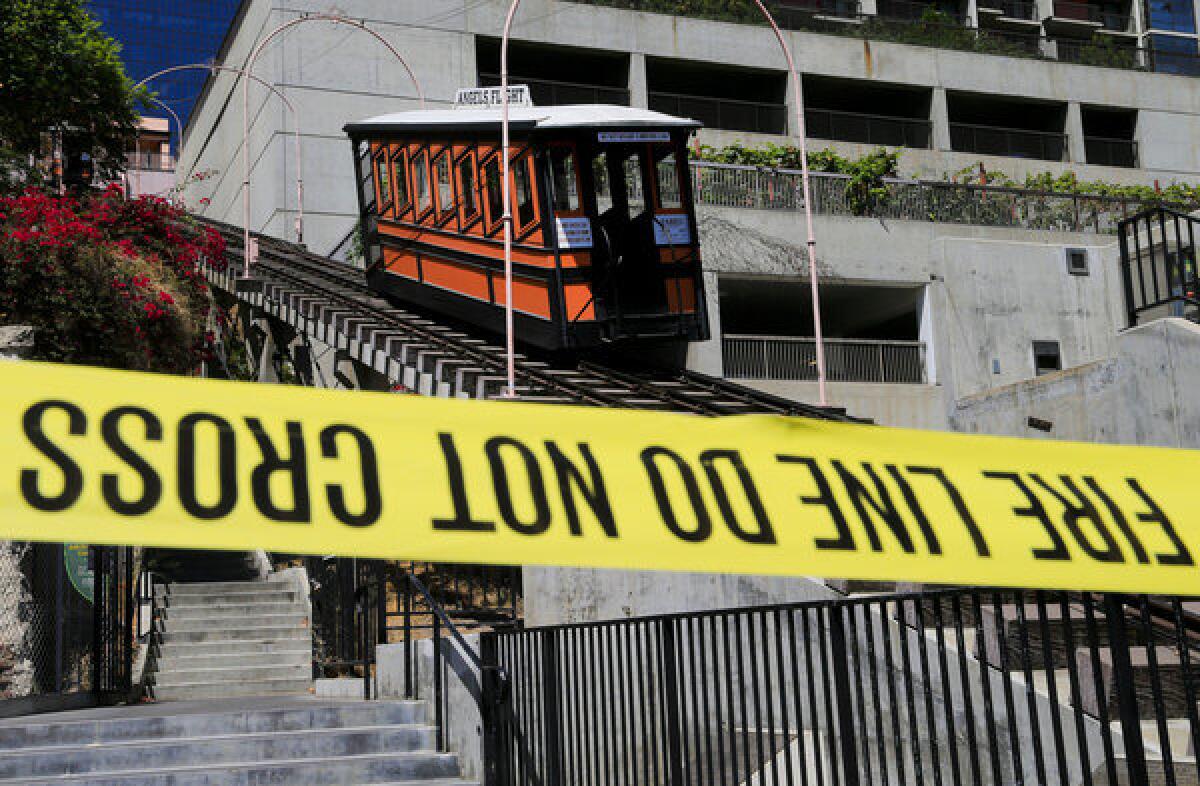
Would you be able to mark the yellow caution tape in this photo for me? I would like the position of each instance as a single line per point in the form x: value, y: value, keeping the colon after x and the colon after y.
x: 113, y: 457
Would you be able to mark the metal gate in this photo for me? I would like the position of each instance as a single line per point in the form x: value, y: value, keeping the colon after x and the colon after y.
x: 113, y: 626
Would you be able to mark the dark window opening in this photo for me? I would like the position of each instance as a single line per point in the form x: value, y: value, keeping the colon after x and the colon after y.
x: 1077, y: 261
x: 1047, y: 358
x: 734, y: 99
x: 996, y: 125
x: 495, y: 192
x: 1108, y: 136
x: 557, y: 74
x: 1172, y: 54
x: 384, y: 179
x: 851, y: 110
x: 523, y: 186
x: 421, y: 182
x: 400, y: 169
x: 564, y: 179
x: 666, y: 173
x: 1177, y: 16
x: 445, y: 188
x: 466, y: 183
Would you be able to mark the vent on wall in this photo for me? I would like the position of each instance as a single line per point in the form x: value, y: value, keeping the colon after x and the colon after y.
x: 1047, y: 357
x: 1077, y: 261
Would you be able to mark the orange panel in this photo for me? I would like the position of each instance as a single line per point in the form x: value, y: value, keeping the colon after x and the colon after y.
x: 681, y: 288
x: 529, y: 296
x: 402, y: 263
x: 469, y: 245
x: 459, y: 278
x: 579, y: 302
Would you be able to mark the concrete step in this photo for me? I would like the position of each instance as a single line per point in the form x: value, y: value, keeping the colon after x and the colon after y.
x: 1003, y: 634
x: 408, y: 768
x: 218, y: 587
x: 288, y: 633
x: 199, y: 751
x: 172, y: 677
x: 217, y: 690
x: 222, y: 660
x: 139, y: 724
x: 189, y: 649
x: 174, y: 613
x: 227, y: 598
x: 1171, y: 680
x: 234, y: 622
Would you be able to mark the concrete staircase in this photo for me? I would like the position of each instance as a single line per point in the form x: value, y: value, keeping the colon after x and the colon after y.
x: 230, y: 638
x: 292, y: 740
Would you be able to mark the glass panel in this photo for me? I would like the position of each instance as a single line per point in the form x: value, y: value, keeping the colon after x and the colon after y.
x: 604, y: 198
x: 401, y: 183
x: 1175, y: 55
x: 421, y: 182
x: 441, y: 168
x: 495, y: 194
x: 524, y: 186
x: 632, y: 167
x: 667, y: 171
x: 1176, y: 15
x: 562, y: 171
x: 466, y: 181
x: 385, y: 180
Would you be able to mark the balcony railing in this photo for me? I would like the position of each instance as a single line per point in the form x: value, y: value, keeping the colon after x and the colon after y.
x: 727, y: 185
x: 912, y: 11
x: 725, y: 113
x: 1107, y: 18
x: 846, y: 360
x: 929, y: 32
x: 551, y: 92
x: 1015, y: 142
x: 867, y: 129
x: 1011, y: 9
x: 149, y: 162
x: 1111, y: 152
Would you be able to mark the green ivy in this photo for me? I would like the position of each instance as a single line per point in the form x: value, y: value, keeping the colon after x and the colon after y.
x: 1176, y: 193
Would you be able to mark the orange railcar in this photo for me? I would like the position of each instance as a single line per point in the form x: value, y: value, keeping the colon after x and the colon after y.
x: 604, y: 231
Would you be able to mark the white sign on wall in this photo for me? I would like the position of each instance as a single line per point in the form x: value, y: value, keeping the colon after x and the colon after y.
x: 484, y: 97
x: 672, y: 229
x: 634, y: 136
x: 573, y: 232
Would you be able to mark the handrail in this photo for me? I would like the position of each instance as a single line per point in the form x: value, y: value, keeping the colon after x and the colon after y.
x: 718, y: 99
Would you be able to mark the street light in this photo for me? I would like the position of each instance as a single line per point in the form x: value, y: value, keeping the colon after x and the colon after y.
x: 212, y: 68
x: 510, y: 391
x: 318, y: 17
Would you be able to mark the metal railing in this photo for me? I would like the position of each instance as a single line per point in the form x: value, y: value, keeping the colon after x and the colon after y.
x: 914, y: 10
x: 796, y: 12
x: 348, y: 616
x: 1111, y: 152
x: 1011, y: 9
x: 1107, y: 18
x: 552, y: 92
x: 1015, y: 142
x: 926, y: 32
x: 944, y: 687
x: 867, y: 129
x: 736, y: 186
x: 725, y: 113
x: 1159, y: 267
x: 846, y: 360
x: 150, y: 162
x: 473, y: 595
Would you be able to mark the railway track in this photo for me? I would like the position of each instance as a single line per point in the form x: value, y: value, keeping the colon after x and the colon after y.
x: 317, y: 294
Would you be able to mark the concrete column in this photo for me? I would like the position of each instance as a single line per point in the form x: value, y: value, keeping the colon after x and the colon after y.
x: 791, y: 104
x: 1075, y: 147
x: 638, y: 90
x: 939, y: 116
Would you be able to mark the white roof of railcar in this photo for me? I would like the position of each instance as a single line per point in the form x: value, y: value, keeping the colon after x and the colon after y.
x: 567, y: 116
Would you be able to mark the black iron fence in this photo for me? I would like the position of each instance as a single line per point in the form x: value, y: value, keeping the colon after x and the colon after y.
x: 348, y: 600
x: 1014, y: 142
x: 1158, y: 266
x: 553, y: 92
x: 942, y: 687
x: 727, y: 113
x: 867, y: 129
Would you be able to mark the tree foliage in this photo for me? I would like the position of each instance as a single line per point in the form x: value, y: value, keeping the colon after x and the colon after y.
x: 59, y: 72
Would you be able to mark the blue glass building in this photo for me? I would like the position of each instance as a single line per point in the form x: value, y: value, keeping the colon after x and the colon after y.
x: 157, y: 34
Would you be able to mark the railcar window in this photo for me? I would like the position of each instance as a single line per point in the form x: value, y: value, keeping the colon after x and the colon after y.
x: 384, y: 179
x: 667, y: 171
x: 604, y: 198
x: 441, y: 169
x: 495, y: 193
x: 634, y: 192
x: 566, y: 186
x: 401, y: 177
x: 421, y: 182
x: 525, y: 213
x: 466, y: 182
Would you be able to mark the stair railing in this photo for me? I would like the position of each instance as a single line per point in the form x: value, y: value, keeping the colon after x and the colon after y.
x: 494, y: 680
x: 149, y: 616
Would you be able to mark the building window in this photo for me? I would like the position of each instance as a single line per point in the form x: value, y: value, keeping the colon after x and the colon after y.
x: 1178, y: 16
x: 1174, y: 54
x: 1047, y: 357
x: 1077, y: 261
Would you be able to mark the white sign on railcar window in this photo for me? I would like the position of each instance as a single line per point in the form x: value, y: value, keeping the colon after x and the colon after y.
x: 617, y: 137
x: 573, y: 232
x: 483, y: 97
x: 672, y: 229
